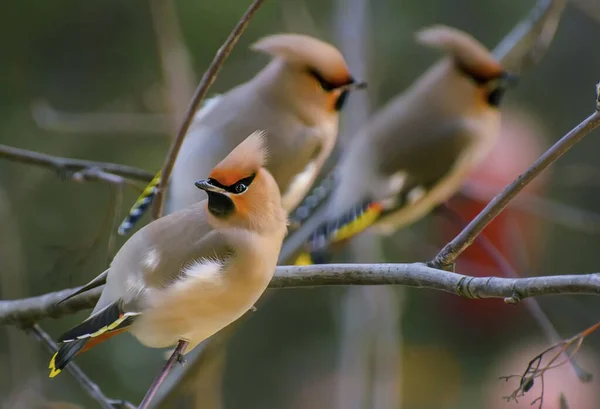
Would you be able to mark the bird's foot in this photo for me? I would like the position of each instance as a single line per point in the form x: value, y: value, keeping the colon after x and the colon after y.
x: 182, y: 360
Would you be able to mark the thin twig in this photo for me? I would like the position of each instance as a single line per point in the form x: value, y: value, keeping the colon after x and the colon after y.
x: 116, y: 195
x: 446, y: 257
x: 90, y: 387
x: 419, y: 275
x: 176, y: 356
x: 62, y: 165
x: 555, y: 212
x: 207, y: 79
x: 50, y: 119
x: 531, y: 304
x: 175, y: 60
x: 528, y: 42
x: 199, y: 383
x: 591, y: 8
x: 570, y: 347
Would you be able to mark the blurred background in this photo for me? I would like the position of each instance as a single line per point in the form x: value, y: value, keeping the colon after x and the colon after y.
x: 97, y: 80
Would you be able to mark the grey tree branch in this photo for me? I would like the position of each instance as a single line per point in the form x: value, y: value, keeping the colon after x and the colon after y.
x: 48, y: 118
x: 528, y: 42
x: 28, y: 310
x: 562, y: 214
x: 207, y: 79
x: 446, y: 257
x: 61, y: 164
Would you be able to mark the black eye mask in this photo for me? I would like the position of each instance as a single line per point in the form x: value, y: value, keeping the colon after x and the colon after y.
x: 238, y: 187
x: 221, y: 205
x: 342, y: 99
x: 326, y: 85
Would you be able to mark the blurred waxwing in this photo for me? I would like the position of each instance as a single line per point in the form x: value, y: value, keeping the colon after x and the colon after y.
x: 187, y: 275
x: 417, y: 151
x: 296, y: 98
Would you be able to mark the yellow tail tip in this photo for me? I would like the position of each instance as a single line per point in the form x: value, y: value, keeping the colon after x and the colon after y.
x: 52, y: 367
x: 303, y: 259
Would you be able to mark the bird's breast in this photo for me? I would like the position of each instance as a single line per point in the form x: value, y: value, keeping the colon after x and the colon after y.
x: 300, y: 184
x: 209, y: 295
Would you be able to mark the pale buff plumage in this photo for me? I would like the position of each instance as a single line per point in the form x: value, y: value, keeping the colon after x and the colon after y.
x: 423, y: 143
x: 191, y: 273
x: 283, y: 99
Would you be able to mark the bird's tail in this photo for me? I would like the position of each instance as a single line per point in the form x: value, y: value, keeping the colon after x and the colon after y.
x: 140, y: 206
x: 319, y: 246
x: 64, y: 355
x: 101, y: 326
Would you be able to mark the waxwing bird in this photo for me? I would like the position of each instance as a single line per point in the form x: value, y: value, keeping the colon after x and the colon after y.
x: 417, y: 151
x: 296, y: 98
x: 187, y: 275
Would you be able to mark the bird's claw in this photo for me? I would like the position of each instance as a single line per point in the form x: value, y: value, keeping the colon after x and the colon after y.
x: 182, y: 360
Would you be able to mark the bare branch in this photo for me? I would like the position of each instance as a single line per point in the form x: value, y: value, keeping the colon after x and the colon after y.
x: 207, y: 79
x: 176, y: 356
x: 175, y: 60
x: 446, y: 257
x: 417, y: 275
x: 531, y: 304
x: 535, y: 369
x: 562, y: 214
x: 90, y: 387
x: 528, y: 42
x: 29, y: 310
x: 199, y: 384
x: 50, y: 119
x: 61, y: 164
x: 590, y: 7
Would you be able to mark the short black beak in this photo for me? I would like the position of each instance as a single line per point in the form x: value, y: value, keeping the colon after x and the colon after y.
x: 207, y: 186
x: 354, y: 84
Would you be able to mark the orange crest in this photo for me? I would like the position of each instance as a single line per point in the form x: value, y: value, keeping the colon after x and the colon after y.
x: 323, y: 57
x: 466, y: 50
x: 244, y: 160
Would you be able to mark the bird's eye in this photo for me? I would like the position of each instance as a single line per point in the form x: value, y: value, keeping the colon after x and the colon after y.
x: 326, y: 85
x: 240, y: 188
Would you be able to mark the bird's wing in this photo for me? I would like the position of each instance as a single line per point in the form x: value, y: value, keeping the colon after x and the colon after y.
x: 98, y: 327
x: 315, y: 198
x: 296, y: 161
x: 96, y: 282
x: 111, y: 318
x: 140, y: 206
x: 153, y: 258
x: 432, y: 168
x: 410, y: 170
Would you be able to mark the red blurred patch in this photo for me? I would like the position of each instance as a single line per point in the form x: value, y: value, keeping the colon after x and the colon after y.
x: 514, y: 233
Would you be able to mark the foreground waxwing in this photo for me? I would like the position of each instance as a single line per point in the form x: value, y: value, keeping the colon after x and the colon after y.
x: 187, y: 275
x: 296, y: 98
x: 418, y: 150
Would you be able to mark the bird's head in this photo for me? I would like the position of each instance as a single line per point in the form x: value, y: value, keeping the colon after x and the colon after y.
x: 317, y: 70
x: 472, y: 60
x: 241, y: 192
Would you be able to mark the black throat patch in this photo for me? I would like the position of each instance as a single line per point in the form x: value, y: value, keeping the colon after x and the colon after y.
x: 220, y: 205
x: 495, y: 96
x: 341, y: 101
